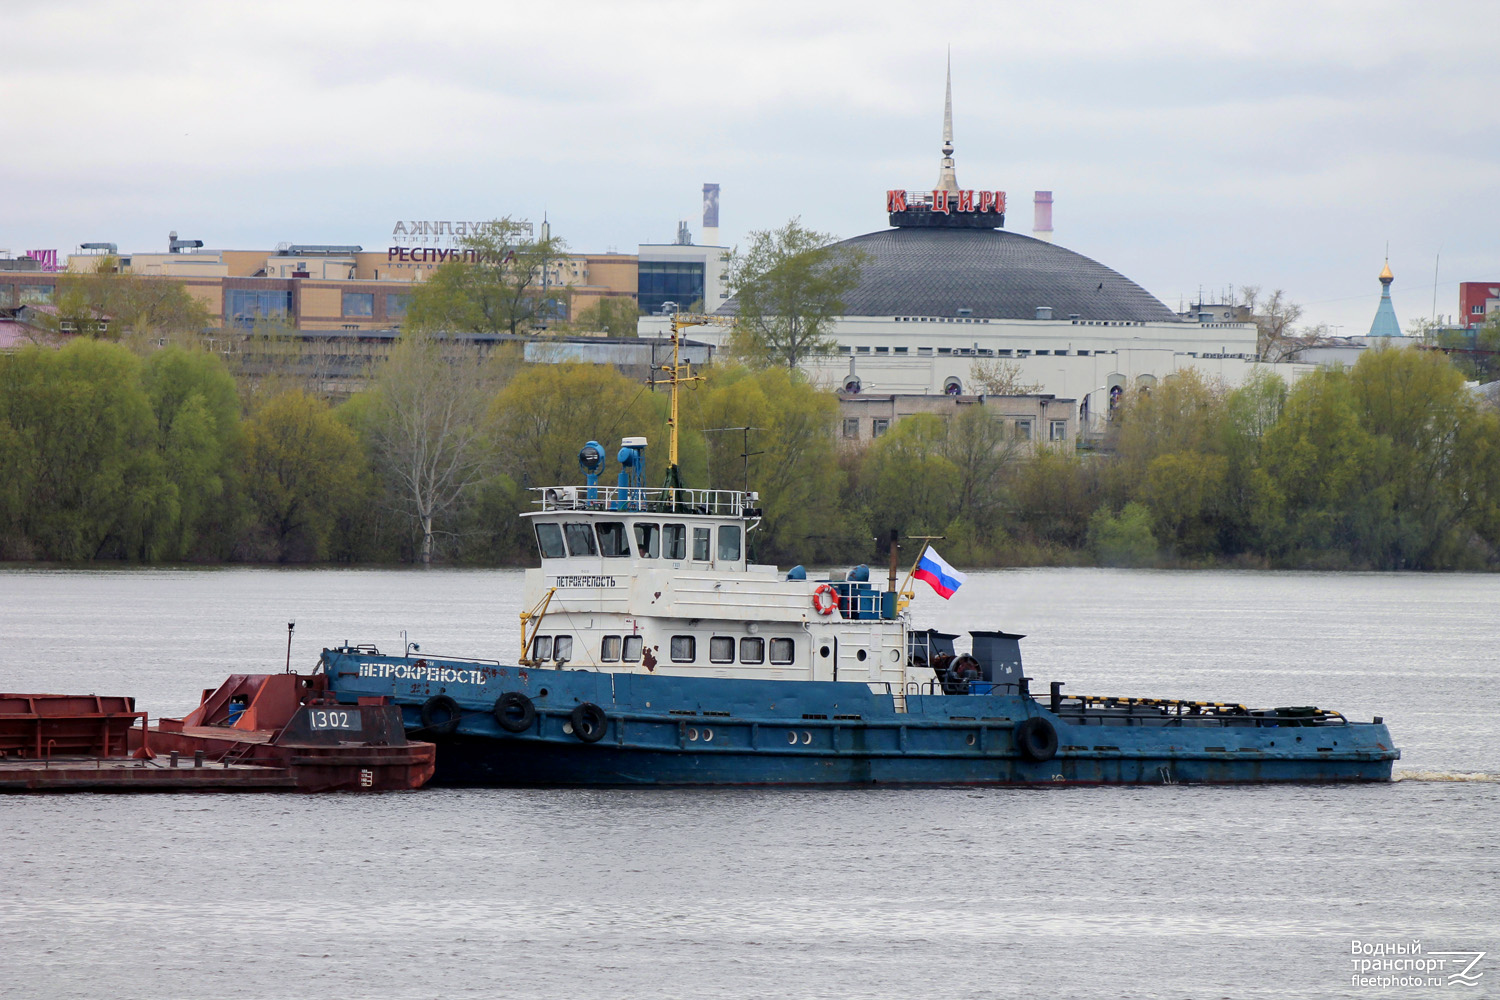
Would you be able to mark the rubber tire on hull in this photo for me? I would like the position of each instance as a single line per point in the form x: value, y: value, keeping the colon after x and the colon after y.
x: 588, y: 722
x: 514, y: 712
x: 1036, y: 740
x: 439, y: 703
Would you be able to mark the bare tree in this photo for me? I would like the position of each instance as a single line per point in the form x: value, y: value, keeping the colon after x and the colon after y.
x: 427, y: 428
x: 1000, y: 378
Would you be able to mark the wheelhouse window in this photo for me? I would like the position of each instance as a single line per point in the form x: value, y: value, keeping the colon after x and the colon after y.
x: 721, y: 649
x: 549, y: 538
x: 729, y: 543
x: 613, y: 542
x: 580, y: 539
x: 782, y: 651
x: 541, y: 647
x: 609, y: 649
x: 562, y: 648
x: 633, y: 645
x: 752, y: 650
x: 648, y: 540
x: 674, y: 541
x: 701, y: 539
x: 684, y: 649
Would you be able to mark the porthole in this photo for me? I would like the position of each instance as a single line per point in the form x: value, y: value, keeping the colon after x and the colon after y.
x: 860, y: 656
x: 693, y: 734
x: 893, y: 655
x: 970, y: 739
x: 824, y: 652
x: 708, y: 736
x: 791, y: 737
x: 542, y: 693
x: 806, y: 738
x: 568, y: 728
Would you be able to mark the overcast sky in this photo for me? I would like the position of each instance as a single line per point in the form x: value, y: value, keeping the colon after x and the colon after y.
x: 1267, y: 143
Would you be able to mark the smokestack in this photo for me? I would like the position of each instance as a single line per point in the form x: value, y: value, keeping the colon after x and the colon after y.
x: 710, y: 215
x: 1041, y: 227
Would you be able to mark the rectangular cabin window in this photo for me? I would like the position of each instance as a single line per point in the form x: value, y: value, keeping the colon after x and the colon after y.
x: 782, y: 651
x: 633, y: 644
x: 613, y: 542
x: 550, y: 540
x: 562, y: 648
x: 684, y: 649
x: 609, y: 649
x: 701, y: 539
x: 648, y: 540
x: 674, y: 541
x: 721, y: 649
x: 729, y: 542
x: 752, y: 650
x: 541, y: 647
x: 580, y: 539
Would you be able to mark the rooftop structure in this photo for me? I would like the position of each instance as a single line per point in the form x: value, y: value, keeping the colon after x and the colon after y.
x: 1384, y: 324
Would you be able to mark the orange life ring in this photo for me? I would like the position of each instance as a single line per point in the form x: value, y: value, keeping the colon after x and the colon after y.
x: 825, y: 591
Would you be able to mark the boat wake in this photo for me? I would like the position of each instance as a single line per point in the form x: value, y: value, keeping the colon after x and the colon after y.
x: 1444, y: 776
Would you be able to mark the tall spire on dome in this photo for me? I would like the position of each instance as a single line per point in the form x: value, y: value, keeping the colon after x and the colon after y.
x: 946, y: 179
x: 1385, y: 324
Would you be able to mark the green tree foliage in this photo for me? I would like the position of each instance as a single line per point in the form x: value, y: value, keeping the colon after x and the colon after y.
x: 617, y: 317
x: 1476, y: 353
x: 1124, y: 539
x: 105, y: 303
x: 199, y: 441
x: 789, y: 285
x: 497, y: 290
x: 303, y: 468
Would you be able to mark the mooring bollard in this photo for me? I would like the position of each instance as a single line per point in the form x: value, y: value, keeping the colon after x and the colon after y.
x: 172, y: 759
x: 197, y: 758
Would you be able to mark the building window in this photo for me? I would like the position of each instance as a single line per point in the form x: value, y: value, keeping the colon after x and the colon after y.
x: 660, y: 281
x: 674, y: 541
x: 684, y: 649
x: 1059, y: 430
x: 395, y: 305
x: 243, y: 306
x: 702, y: 538
x: 782, y: 651
x: 851, y: 427
x: 609, y: 649
x: 721, y: 649
x: 1023, y: 430
x: 752, y: 650
x: 729, y: 543
x: 580, y: 540
x: 359, y: 303
x: 879, y: 426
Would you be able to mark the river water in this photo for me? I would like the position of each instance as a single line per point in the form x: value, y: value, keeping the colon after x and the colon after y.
x: 1150, y: 892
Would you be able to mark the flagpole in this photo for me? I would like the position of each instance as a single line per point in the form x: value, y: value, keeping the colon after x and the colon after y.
x: 926, y: 541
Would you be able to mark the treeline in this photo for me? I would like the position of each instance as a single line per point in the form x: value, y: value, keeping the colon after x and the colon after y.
x: 107, y: 455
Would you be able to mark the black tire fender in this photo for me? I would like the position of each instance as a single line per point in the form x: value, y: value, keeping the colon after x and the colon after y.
x: 588, y: 722
x: 1036, y: 739
x: 514, y: 712
x: 440, y: 715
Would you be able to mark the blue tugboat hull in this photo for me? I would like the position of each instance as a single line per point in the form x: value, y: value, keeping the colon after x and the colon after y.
x: 675, y: 731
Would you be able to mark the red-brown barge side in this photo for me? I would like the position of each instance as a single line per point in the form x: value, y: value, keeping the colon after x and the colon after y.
x: 258, y: 732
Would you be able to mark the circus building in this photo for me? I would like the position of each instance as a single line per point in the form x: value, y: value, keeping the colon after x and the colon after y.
x: 947, y: 287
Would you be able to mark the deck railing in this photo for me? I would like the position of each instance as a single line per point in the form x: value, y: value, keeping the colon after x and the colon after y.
x: 733, y: 503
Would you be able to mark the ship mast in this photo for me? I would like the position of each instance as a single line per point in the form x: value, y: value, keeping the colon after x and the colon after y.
x: 678, y: 373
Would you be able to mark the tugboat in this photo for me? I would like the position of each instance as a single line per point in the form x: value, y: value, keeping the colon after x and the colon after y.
x: 653, y: 652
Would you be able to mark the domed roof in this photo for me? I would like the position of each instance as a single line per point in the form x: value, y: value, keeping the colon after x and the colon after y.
x: 995, y: 273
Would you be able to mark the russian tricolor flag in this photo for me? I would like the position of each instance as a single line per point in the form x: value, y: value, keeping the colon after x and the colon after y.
x: 939, y: 575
